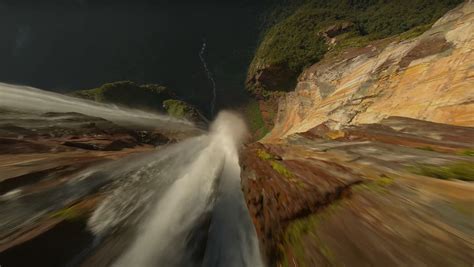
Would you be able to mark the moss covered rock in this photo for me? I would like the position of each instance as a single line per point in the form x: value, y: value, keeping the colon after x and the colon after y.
x: 302, y: 37
x: 129, y: 94
x: 182, y: 110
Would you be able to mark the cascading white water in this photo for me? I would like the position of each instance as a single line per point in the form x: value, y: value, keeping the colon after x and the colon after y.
x: 206, y: 186
x: 184, y: 198
x: 26, y: 98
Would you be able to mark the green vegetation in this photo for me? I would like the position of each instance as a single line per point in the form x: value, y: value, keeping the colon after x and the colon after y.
x: 275, y: 163
x: 254, y: 116
x: 384, y: 181
x: 176, y: 108
x: 417, y: 31
x: 182, y: 110
x: 467, y: 152
x: 128, y: 94
x: 69, y: 214
x: 378, y: 185
x: 294, y: 42
x: 298, y: 229
x: 281, y: 169
x: 349, y: 40
x: 294, y: 36
x: 262, y: 154
x: 149, y: 96
x: 460, y: 170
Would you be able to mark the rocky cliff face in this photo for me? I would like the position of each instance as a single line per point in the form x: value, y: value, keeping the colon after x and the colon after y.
x: 370, y: 160
x: 430, y: 77
x: 364, y: 195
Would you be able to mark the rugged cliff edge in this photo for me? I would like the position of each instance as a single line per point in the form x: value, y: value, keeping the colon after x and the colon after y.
x: 430, y: 77
x: 370, y: 159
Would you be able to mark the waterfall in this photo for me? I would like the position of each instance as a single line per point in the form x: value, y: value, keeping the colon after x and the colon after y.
x: 191, y: 186
x: 24, y: 98
x: 209, y: 76
x: 183, y: 203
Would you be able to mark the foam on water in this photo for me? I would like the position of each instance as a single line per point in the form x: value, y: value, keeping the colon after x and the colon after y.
x: 199, y: 187
x: 186, y: 199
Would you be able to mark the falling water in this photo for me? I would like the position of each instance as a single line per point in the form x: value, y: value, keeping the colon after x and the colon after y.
x: 26, y: 98
x: 195, y: 185
x: 209, y: 76
x: 181, y: 205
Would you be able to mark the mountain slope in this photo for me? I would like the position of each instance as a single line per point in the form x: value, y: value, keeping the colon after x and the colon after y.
x: 302, y: 37
x: 429, y: 77
x: 370, y: 159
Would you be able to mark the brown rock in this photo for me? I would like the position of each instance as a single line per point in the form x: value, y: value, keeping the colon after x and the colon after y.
x: 429, y: 77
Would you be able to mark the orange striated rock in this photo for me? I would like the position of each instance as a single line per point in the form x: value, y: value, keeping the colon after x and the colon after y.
x: 370, y: 159
x: 430, y: 77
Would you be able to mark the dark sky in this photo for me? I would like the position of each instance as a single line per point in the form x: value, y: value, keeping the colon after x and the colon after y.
x: 80, y: 44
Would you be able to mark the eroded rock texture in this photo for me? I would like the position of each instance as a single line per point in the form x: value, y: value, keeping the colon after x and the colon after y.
x: 429, y: 77
x: 364, y: 195
x: 370, y: 160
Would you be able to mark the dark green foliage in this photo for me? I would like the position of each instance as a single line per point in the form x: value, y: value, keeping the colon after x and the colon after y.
x: 380, y: 18
x: 292, y: 35
x: 130, y: 94
x: 276, y: 12
x: 385, y: 18
x: 295, y: 42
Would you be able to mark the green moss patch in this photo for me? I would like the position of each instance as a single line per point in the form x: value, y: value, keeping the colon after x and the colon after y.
x: 278, y: 166
x: 379, y: 185
x: 467, y: 152
x: 274, y: 163
x: 182, y: 110
x: 176, y: 108
x: 298, y: 229
x: 281, y: 169
x: 262, y: 154
x: 69, y: 214
x: 255, y: 120
x: 415, y: 32
x: 460, y: 170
